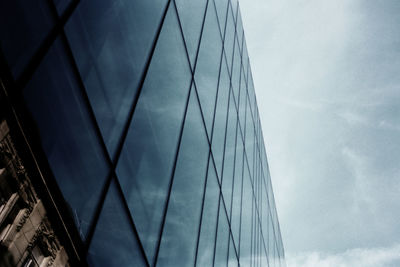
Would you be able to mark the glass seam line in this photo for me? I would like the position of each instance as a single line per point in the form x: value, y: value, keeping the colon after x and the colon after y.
x: 182, y: 125
x: 111, y: 173
x: 122, y: 138
x: 44, y: 47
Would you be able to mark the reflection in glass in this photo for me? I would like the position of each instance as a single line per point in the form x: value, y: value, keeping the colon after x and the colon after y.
x: 222, y: 241
x: 208, y: 65
x: 205, y: 252
x: 23, y: 27
x: 111, y: 41
x: 229, y: 156
x: 218, y: 139
x: 178, y: 244
x: 191, y: 15
x: 67, y: 134
x: 147, y: 158
x: 114, y: 242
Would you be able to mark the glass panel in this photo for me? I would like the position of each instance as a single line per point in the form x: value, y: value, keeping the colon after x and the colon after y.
x: 232, y: 258
x: 191, y: 14
x: 234, y: 4
x: 205, y: 251
x: 236, y: 72
x: 222, y: 242
x: 23, y: 26
x: 249, y: 139
x: 230, y: 146
x: 114, y: 242
x: 111, y: 41
x: 179, y: 240
x: 271, y: 238
x: 222, y: 8
x: 67, y: 134
x: 237, y: 189
x: 245, y: 57
x: 246, y: 230
x: 218, y: 139
x: 239, y: 30
x: 61, y: 5
x: 229, y: 39
x: 147, y: 157
x: 242, y: 102
x: 207, y: 68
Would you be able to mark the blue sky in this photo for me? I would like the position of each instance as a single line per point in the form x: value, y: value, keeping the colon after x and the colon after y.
x: 327, y: 79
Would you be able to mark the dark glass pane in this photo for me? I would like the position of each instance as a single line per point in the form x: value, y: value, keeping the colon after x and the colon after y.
x: 218, y: 139
x: 247, y: 211
x: 23, y: 26
x: 237, y: 189
x: 207, y: 68
x: 61, y: 5
x: 178, y: 245
x: 229, y: 157
x: 67, y: 134
x: 114, y: 242
x: 229, y: 39
x: 111, y: 41
x: 222, y: 8
x: 236, y: 72
x: 191, y: 14
x: 205, y: 251
x: 147, y: 158
x: 222, y: 242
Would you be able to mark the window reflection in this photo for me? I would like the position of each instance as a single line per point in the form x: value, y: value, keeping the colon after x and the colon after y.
x: 147, y: 158
x: 179, y: 240
x: 67, y: 134
x: 114, y: 242
x: 111, y: 41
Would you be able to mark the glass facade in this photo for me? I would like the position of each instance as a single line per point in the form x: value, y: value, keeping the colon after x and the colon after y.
x: 146, y: 114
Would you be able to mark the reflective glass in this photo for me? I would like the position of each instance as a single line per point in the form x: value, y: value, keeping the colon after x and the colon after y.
x: 218, y: 139
x: 222, y: 8
x: 205, y: 252
x: 61, y: 5
x: 237, y: 189
x: 232, y: 257
x: 178, y: 245
x: 239, y: 31
x: 229, y: 156
x: 249, y: 139
x: 229, y: 39
x: 67, y: 134
x: 191, y: 15
x: 23, y: 26
x: 245, y: 58
x: 207, y: 68
x: 111, y: 41
x: 236, y: 72
x: 222, y: 241
x: 147, y: 158
x: 251, y: 93
x: 234, y: 4
x: 114, y: 242
x: 242, y: 101
x: 246, y: 226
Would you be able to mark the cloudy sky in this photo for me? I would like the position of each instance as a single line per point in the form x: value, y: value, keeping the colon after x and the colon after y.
x: 327, y: 78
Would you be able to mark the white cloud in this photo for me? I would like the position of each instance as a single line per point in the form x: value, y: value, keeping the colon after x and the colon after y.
x: 359, y: 257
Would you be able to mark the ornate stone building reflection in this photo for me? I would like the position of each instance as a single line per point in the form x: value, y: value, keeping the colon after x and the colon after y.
x: 26, y: 235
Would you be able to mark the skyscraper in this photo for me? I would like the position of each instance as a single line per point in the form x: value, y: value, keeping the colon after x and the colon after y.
x: 141, y: 118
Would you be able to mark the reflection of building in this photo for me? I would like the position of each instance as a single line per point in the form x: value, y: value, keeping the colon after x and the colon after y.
x: 26, y: 236
x: 143, y: 115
